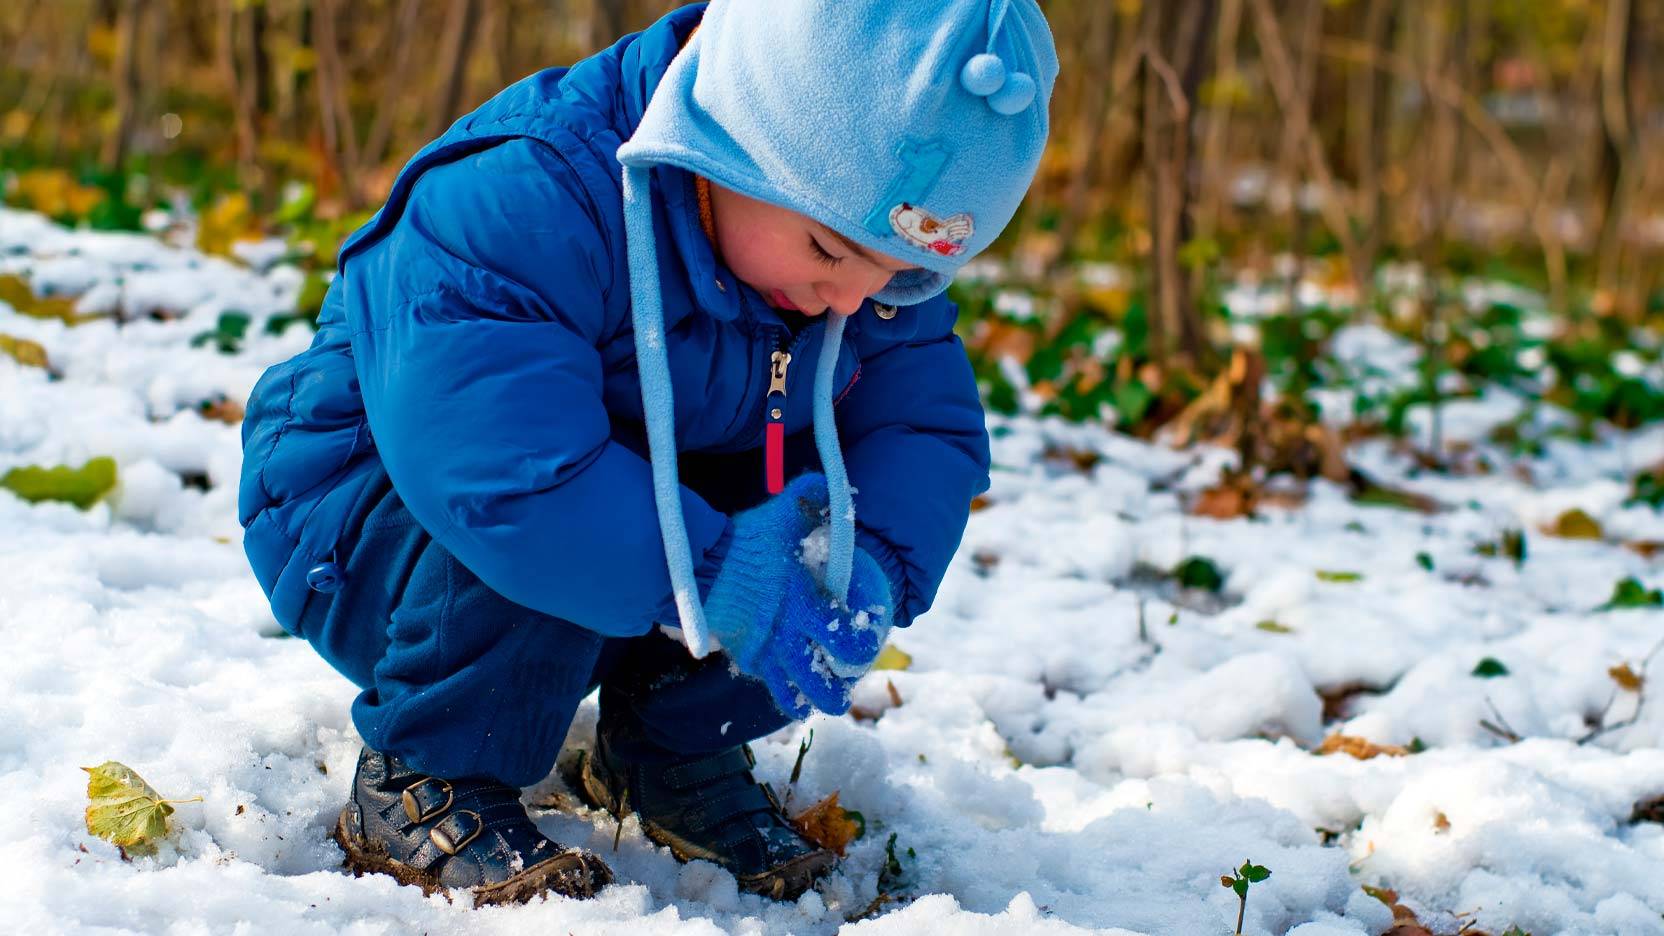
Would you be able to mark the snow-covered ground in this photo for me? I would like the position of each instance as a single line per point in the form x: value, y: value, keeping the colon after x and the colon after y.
x: 1080, y: 748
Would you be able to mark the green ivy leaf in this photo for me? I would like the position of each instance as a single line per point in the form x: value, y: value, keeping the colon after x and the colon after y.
x: 1199, y: 572
x: 1324, y: 575
x: 1489, y: 668
x: 1630, y: 593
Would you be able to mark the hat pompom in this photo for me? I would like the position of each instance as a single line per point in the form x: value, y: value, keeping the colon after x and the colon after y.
x: 983, y: 75
x: 1016, y: 94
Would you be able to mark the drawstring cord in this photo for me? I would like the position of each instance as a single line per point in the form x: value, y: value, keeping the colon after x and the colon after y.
x: 659, y: 410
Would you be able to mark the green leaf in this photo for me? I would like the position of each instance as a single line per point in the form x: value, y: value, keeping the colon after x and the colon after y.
x: 1199, y: 572
x: 859, y: 819
x: 1273, y: 627
x: 1490, y: 668
x: 1425, y: 561
x: 1240, y: 885
x: 1324, y: 575
x: 1256, y: 873
x: 124, y: 809
x: 1416, y: 745
x: 1131, y: 400
x: 81, y: 486
x: 1630, y: 593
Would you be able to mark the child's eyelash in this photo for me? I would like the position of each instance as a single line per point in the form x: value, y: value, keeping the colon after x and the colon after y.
x: 822, y: 257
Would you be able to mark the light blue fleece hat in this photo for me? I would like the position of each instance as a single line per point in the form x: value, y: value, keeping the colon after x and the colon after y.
x: 912, y: 127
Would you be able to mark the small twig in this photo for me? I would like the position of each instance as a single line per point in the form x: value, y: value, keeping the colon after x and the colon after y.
x: 802, y: 749
x: 1500, y: 727
x: 1640, y: 701
x: 623, y: 807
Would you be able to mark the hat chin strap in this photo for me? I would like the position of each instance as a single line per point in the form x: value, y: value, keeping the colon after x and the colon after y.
x: 659, y: 411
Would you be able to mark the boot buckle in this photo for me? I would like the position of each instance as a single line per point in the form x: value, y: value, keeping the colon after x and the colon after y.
x: 447, y: 835
x: 413, y: 805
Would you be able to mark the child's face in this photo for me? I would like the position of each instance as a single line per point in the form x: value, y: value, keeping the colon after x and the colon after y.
x: 795, y: 262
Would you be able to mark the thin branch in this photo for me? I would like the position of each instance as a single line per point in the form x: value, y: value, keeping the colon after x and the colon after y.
x: 1500, y: 727
x: 1640, y: 702
x: 1283, y: 84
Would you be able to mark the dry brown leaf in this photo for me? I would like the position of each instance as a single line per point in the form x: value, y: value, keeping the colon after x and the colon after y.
x: 980, y: 502
x: 1361, y: 748
x: 1441, y: 822
x: 828, y: 825
x: 1225, y: 501
x: 1646, y: 549
x: 1404, y: 919
x: 863, y: 713
x: 223, y: 410
x: 1625, y: 677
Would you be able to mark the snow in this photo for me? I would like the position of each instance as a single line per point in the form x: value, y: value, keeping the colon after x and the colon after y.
x: 1077, y: 750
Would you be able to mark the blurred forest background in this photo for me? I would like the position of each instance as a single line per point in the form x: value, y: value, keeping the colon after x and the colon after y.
x: 1228, y: 183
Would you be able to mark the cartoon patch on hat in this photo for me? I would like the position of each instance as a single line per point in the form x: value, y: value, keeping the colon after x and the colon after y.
x: 943, y: 236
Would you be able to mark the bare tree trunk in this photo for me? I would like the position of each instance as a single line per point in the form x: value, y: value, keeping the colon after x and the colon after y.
x: 236, y: 85
x: 381, y: 130
x: 1176, y: 38
x: 1215, y: 175
x: 1618, y: 162
x: 1095, y: 104
x: 1369, y: 127
x: 1280, y: 72
x: 340, y: 136
x: 606, y: 24
x: 453, y: 63
x: 126, y: 82
x: 1290, y: 156
x: 1433, y: 207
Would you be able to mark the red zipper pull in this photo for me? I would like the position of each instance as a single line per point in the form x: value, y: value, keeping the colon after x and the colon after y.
x: 774, y: 438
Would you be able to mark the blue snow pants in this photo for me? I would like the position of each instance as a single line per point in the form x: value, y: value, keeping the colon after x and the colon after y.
x: 460, y: 681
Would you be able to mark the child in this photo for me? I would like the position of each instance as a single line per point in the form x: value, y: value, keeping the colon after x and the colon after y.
x: 559, y: 384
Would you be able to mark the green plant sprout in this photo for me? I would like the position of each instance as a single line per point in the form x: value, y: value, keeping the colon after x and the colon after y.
x: 1249, y: 873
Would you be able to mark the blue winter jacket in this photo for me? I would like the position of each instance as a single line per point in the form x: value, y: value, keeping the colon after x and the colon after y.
x: 477, y: 345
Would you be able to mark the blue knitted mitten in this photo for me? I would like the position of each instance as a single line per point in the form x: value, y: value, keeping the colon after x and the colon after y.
x: 822, y: 646
x: 775, y: 620
x: 746, y: 595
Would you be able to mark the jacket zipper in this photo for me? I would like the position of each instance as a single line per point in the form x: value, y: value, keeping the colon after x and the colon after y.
x: 774, y: 409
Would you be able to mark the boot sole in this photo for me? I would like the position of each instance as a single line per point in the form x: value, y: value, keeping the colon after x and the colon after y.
x: 572, y: 874
x: 786, y: 882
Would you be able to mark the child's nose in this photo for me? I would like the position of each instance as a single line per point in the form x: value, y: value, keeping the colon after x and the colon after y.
x: 845, y: 294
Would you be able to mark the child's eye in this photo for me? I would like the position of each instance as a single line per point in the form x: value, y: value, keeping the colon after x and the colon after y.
x: 821, y: 256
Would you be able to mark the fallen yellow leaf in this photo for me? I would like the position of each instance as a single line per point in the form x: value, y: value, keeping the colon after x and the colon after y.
x: 125, y: 810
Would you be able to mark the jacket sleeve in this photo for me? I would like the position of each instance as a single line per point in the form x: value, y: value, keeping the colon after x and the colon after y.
x: 916, y: 446
x: 476, y: 321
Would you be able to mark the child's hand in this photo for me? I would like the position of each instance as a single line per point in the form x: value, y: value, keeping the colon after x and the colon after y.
x: 774, y: 620
x: 822, y: 647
